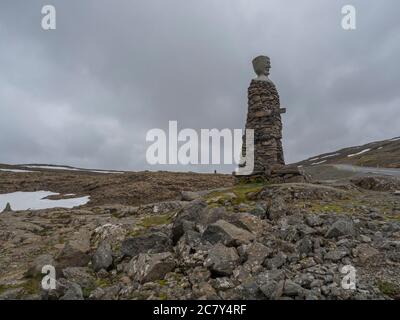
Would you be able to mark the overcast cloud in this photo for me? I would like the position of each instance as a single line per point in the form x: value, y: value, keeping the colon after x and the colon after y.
x: 86, y: 93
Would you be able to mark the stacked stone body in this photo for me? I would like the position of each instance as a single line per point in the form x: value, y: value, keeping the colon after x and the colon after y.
x: 264, y: 117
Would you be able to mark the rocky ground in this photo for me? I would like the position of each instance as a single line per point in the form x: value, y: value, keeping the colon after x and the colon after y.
x: 249, y: 241
x: 129, y: 188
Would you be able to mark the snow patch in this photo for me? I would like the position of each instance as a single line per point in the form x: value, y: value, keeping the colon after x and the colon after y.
x: 51, y: 167
x: 35, y: 201
x: 320, y: 162
x: 330, y: 155
x: 359, y: 153
x: 100, y: 171
x: 71, y: 169
x: 15, y: 170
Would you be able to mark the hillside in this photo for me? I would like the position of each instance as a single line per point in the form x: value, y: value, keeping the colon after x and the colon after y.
x: 106, y: 187
x: 384, y: 153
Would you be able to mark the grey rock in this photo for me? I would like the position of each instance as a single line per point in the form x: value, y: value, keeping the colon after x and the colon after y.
x: 222, y: 260
x: 269, y: 289
x: 394, y: 256
x: 365, y: 253
x: 65, y: 290
x: 199, y: 274
x: 11, y: 294
x: 292, y: 289
x: 103, y: 257
x: 249, y: 290
x: 365, y: 238
x: 189, y: 195
x: 276, y: 262
x: 270, y: 275
x: 259, y: 211
x: 305, y: 230
x: 74, y: 292
x: 192, y: 212
x: 154, y: 242
x: 105, y: 293
x: 277, y: 208
x: 305, y: 246
x: 335, y: 255
x: 150, y: 267
x: 249, y: 222
x: 74, y: 254
x: 80, y: 276
x: 227, y: 233
x: 313, y: 220
x: 256, y: 253
x: 339, y: 228
x: 222, y: 284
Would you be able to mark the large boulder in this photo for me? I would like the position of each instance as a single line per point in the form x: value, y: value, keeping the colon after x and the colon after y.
x: 227, y: 233
x: 276, y: 262
x: 190, y: 195
x: 365, y: 253
x: 250, y: 223
x: 277, y: 207
x: 342, y: 227
x: 74, y: 292
x: 222, y: 260
x: 292, y: 289
x: 192, y: 213
x: 335, y: 255
x: 64, y: 290
x: 80, y: 276
x: 150, y: 267
x: 111, y: 233
x: 256, y: 253
x: 103, y: 257
x: 74, y: 254
x: 154, y: 242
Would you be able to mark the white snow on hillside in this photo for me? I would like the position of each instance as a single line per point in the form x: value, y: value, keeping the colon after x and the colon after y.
x: 330, y: 155
x: 320, y: 162
x: 15, y: 170
x: 70, y: 169
x: 359, y: 153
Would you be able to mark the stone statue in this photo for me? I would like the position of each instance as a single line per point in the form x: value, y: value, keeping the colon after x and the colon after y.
x: 261, y: 66
x: 264, y: 117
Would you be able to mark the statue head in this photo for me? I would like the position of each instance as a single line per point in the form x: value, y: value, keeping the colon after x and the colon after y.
x: 261, y: 66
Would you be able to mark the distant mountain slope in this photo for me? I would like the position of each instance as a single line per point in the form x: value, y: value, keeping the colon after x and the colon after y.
x: 384, y: 153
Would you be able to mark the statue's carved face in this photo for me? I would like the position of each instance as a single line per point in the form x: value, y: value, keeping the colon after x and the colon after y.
x: 262, y: 65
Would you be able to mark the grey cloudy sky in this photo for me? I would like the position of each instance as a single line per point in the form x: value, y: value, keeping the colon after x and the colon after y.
x: 86, y: 93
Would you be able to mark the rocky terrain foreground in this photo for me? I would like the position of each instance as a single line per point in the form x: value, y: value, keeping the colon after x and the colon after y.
x: 257, y: 241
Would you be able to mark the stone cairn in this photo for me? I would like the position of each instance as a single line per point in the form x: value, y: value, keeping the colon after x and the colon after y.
x: 7, y: 208
x: 264, y: 117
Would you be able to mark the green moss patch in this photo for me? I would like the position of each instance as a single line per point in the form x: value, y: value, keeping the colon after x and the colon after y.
x: 388, y: 288
x: 236, y: 195
x: 152, y: 221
